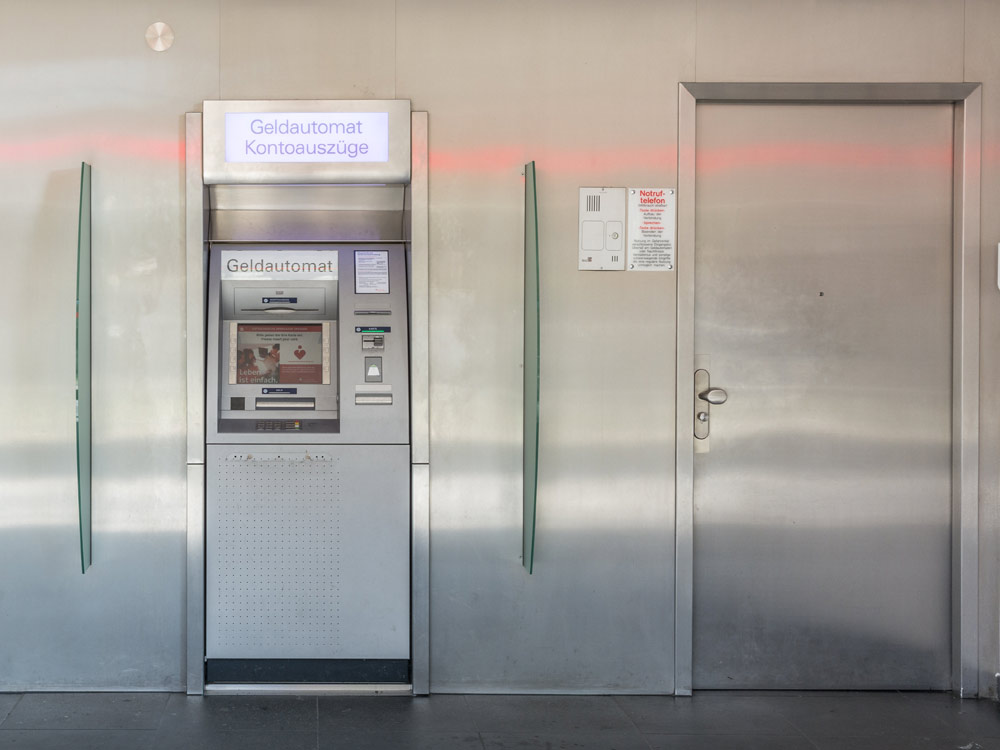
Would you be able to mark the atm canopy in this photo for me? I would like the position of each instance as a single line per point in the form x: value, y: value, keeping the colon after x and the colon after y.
x: 307, y: 142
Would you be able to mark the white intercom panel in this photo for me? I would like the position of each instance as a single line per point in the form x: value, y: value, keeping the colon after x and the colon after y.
x: 602, y: 228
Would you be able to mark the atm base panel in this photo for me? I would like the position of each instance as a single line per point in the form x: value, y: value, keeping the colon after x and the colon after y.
x: 307, y: 552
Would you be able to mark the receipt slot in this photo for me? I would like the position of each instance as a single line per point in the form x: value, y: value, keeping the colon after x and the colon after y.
x: 307, y: 497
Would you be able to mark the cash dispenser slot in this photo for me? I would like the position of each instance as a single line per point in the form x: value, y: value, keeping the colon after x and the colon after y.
x: 285, y: 403
x: 373, y: 395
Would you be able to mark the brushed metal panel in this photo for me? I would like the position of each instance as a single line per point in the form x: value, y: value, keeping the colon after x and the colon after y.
x: 308, y: 551
x: 822, y: 512
x: 832, y: 93
x: 306, y: 226
x: 419, y: 276
x: 965, y: 414
x: 307, y: 197
x: 420, y: 578
x: 782, y: 40
x: 983, y: 64
x: 597, y: 615
x: 684, y: 447
x: 419, y: 279
x: 88, y: 88
x: 195, y: 228
x: 307, y: 49
x: 195, y: 581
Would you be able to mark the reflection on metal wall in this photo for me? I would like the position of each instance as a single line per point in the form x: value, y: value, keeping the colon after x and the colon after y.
x: 83, y: 91
x: 823, y: 508
x: 596, y: 615
x: 503, y: 83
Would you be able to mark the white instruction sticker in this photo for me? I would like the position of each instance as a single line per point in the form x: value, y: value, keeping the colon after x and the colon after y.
x: 652, y: 217
x: 371, y: 271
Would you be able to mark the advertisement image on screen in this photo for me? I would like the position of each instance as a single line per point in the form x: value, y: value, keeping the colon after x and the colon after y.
x: 279, y: 353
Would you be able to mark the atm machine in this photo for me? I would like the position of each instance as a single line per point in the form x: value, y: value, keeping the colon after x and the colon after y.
x: 307, y: 243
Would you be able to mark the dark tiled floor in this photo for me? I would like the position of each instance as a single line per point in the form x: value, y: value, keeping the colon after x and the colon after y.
x: 720, y: 721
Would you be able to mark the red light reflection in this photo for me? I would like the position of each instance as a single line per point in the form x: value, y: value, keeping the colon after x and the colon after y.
x: 503, y: 158
x: 83, y: 146
x: 846, y: 155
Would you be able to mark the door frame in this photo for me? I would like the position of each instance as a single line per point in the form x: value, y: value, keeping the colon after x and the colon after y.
x: 967, y: 101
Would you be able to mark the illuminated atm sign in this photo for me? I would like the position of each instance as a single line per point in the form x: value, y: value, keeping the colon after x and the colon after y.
x: 295, y: 142
x: 307, y: 137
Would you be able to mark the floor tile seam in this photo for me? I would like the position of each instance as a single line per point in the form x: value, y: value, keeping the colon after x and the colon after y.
x: 396, y: 732
x: 17, y: 703
x: 743, y: 732
x: 467, y: 709
x: 171, y: 697
x: 163, y: 709
x: 955, y: 736
x: 645, y: 743
x: 704, y: 736
x: 617, y: 700
x: 217, y: 733
x: 574, y: 731
x: 910, y: 703
x: 564, y: 735
x: 558, y: 729
x: 327, y: 729
x: 78, y: 731
x: 802, y: 732
x: 760, y: 735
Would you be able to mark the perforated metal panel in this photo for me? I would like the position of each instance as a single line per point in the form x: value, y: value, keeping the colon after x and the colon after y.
x: 308, y: 552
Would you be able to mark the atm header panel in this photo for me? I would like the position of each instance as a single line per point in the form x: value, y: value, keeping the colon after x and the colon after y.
x: 307, y: 142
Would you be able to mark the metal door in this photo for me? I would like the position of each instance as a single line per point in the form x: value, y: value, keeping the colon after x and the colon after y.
x: 823, y: 309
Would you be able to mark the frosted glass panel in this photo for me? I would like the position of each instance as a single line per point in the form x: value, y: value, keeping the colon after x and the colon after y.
x: 531, y: 366
x: 83, y: 410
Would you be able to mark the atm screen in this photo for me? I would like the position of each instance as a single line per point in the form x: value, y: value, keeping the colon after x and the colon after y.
x: 279, y: 353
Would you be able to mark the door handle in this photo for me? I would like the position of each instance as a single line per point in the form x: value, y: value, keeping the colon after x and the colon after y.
x: 705, y: 396
x: 714, y: 396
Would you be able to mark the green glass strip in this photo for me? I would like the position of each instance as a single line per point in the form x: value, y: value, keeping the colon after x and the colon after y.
x: 532, y: 353
x: 83, y: 373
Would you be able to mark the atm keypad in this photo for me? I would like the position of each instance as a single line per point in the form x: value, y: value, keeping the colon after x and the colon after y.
x: 372, y: 341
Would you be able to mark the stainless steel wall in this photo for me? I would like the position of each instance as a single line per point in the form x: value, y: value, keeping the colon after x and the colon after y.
x: 597, y: 613
x: 588, y: 90
x: 79, y: 83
